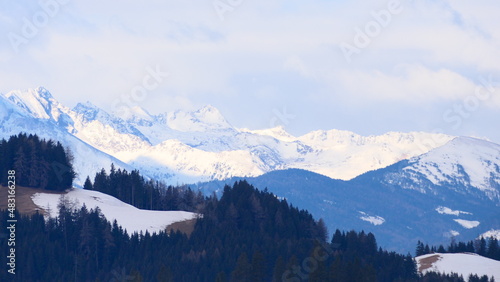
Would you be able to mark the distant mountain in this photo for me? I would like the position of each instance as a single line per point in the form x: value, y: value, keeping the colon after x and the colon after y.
x: 402, y: 203
x: 36, y: 112
x: 187, y: 147
x: 466, y: 165
x: 401, y: 186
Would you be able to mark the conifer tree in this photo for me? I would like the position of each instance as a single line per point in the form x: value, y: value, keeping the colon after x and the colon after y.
x: 243, y: 270
x: 221, y: 277
x: 258, y: 267
x: 88, y: 184
x: 279, y: 269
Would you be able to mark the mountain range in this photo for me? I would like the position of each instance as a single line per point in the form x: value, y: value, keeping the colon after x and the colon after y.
x: 403, y: 187
x: 450, y: 192
x: 189, y: 147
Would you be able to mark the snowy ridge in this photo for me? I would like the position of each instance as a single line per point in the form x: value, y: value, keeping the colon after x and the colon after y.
x: 16, y: 117
x: 37, y: 102
x: 491, y: 233
x: 463, y: 264
x: 278, y: 133
x: 467, y: 159
x: 205, y: 119
x: 187, y: 147
x: 129, y: 217
x: 345, y: 155
x: 464, y: 164
x: 186, y: 164
x: 196, y: 146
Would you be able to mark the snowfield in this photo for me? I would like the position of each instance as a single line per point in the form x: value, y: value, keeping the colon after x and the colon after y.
x: 129, y: 217
x: 375, y: 220
x: 463, y: 264
x: 467, y: 223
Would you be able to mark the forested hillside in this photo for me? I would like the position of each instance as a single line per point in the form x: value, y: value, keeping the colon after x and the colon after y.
x: 37, y: 163
x: 132, y: 188
x: 486, y: 247
x: 246, y: 235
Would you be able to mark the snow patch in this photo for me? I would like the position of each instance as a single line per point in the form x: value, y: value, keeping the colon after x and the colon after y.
x: 329, y: 202
x: 467, y: 223
x: 375, y: 220
x: 445, y: 210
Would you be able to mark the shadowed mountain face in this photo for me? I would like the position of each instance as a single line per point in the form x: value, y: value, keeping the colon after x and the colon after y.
x: 431, y: 198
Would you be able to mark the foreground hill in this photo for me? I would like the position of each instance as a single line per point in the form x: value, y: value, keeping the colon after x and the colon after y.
x: 129, y: 217
x: 463, y: 264
x: 246, y: 235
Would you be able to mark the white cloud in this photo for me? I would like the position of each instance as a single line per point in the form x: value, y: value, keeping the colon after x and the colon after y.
x: 432, y: 52
x: 413, y: 83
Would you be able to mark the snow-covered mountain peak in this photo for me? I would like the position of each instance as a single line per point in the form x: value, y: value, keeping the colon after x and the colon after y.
x: 88, y: 110
x: 208, y: 109
x: 462, y: 150
x: 43, y: 93
x: 38, y: 102
x: 137, y: 114
x: 199, y: 139
x: 205, y: 119
x: 211, y: 115
x: 140, y: 112
x: 463, y: 161
x: 327, y: 138
x: 278, y: 132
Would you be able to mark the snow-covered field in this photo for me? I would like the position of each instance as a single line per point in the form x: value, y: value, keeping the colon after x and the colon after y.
x: 129, y: 217
x: 463, y: 264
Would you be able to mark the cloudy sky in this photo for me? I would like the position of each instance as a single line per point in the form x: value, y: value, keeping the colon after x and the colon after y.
x: 410, y: 65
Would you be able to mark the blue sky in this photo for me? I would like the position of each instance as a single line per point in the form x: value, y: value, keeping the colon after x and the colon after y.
x: 370, y: 68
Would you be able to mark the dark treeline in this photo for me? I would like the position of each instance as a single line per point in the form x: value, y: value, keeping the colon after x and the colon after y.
x: 246, y: 235
x: 132, y: 188
x: 485, y: 247
x: 440, y: 277
x: 37, y: 162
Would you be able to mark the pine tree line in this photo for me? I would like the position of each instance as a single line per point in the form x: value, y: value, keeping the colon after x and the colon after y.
x: 38, y: 163
x: 246, y: 235
x: 489, y: 248
x: 132, y: 188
